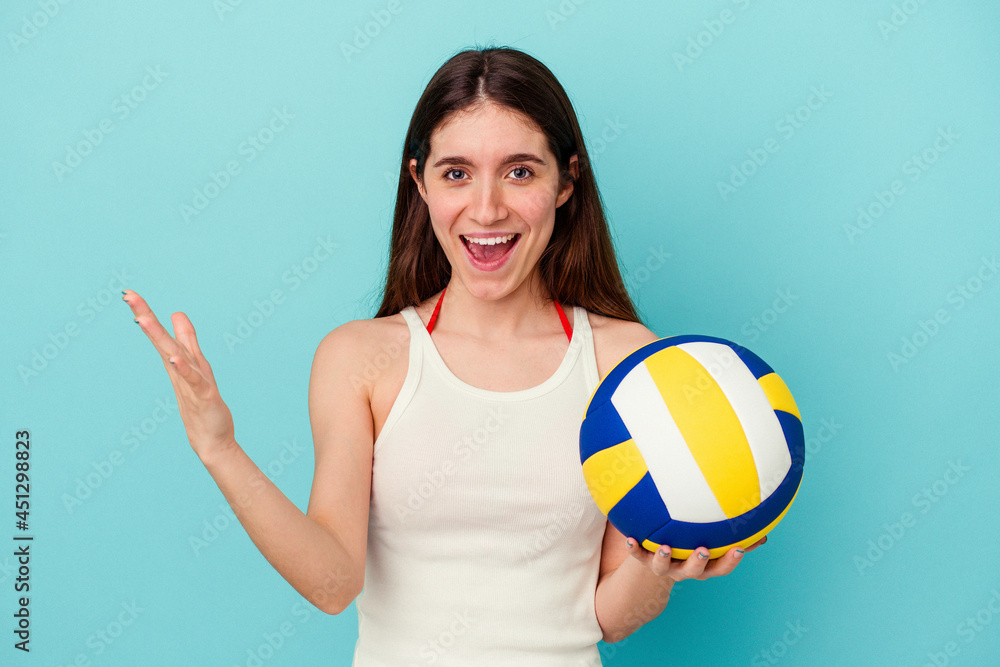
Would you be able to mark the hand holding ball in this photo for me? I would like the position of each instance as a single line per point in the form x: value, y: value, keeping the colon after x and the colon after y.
x: 692, y: 441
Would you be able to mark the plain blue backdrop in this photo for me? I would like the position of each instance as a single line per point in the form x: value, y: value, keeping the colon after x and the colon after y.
x: 816, y: 181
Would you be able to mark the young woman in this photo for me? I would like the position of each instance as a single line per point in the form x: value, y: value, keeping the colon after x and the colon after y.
x: 448, y: 496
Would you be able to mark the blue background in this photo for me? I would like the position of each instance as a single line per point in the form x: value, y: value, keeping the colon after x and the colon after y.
x: 673, y: 101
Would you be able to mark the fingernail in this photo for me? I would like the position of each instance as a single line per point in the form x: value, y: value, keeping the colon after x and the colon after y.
x: 171, y: 362
x: 665, y: 553
x: 739, y: 553
x: 702, y: 556
x: 136, y: 321
x: 629, y: 543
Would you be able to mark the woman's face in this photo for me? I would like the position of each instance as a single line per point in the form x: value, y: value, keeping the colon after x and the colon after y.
x: 490, y: 175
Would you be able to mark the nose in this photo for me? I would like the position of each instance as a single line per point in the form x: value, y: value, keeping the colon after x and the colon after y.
x: 487, y: 205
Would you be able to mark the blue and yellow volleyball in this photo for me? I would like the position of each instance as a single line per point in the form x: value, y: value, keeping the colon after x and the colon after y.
x: 692, y: 441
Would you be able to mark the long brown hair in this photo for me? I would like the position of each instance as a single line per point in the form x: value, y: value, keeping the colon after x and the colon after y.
x: 579, y: 266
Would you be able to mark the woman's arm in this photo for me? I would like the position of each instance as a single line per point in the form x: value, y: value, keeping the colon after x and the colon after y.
x: 322, y: 553
x: 628, y: 594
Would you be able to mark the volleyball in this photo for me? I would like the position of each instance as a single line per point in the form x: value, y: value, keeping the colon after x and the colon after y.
x: 692, y: 441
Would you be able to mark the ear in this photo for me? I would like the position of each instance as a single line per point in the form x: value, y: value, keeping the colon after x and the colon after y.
x: 567, y: 190
x: 417, y: 179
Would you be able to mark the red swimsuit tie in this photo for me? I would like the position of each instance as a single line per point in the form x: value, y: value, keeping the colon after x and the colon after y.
x: 562, y: 316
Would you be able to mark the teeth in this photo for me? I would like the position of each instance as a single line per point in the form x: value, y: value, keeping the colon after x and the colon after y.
x: 490, y: 241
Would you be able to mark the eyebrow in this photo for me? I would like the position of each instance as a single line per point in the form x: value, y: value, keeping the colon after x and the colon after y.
x: 515, y: 157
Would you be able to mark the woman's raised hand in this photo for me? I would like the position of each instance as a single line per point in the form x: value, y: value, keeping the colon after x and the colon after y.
x: 207, y: 419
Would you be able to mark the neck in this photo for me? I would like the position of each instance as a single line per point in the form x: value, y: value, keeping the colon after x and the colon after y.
x: 523, y: 312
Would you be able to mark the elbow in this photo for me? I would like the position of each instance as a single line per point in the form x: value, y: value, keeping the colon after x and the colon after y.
x: 613, y: 637
x: 610, y: 635
x: 335, y: 595
x: 332, y: 611
x: 617, y: 631
x: 329, y: 608
x: 335, y: 606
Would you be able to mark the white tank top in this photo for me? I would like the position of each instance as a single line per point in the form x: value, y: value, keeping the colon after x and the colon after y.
x: 484, y: 543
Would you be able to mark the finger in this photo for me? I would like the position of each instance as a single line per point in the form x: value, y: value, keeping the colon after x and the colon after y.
x: 756, y: 544
x: 654, y: 561
x: 724, y: 564
x: 658, y: 561
x: 160, y: 337
x: 693, y: 567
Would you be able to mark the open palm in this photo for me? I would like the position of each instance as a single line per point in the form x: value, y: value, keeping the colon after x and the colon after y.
x: 207, y: 419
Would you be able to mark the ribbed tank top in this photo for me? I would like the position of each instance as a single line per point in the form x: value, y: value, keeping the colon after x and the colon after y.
x: 484, y: 543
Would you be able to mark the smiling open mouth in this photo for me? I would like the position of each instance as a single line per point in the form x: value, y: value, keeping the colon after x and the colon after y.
x: 490, y: 254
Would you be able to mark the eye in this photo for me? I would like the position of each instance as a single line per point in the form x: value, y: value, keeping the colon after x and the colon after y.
x: 452, y: 171
x: 526, y: 171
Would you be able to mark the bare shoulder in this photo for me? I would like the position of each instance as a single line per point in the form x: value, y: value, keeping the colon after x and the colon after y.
x: 370, y: 334
x: 366, y: 348
x: 615, y: 339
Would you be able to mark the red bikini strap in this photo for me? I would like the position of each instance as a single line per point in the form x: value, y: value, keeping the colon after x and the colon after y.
x: 437, y: 308
x: 562, y: 316
x: 565, y: 322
